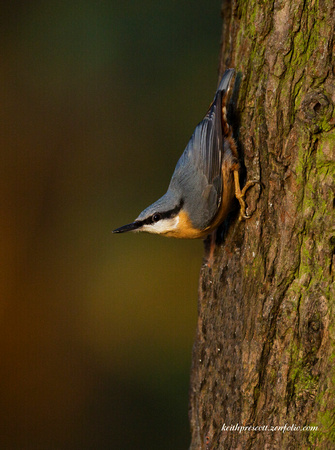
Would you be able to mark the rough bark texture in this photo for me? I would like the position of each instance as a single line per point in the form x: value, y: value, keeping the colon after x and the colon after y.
x: 265, y: 345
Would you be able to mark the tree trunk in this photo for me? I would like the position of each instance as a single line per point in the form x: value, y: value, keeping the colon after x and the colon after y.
x: 264, y: 350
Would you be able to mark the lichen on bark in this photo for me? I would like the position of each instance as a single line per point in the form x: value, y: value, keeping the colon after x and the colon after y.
x: 265, y: 344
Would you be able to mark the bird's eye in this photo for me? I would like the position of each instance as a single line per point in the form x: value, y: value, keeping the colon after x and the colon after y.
x: 156, y: 217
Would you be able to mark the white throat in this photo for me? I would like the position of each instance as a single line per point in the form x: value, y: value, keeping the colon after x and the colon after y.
x: 162, y: 226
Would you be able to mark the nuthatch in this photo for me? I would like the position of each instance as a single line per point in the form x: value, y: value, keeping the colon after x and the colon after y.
x: 205, y: 180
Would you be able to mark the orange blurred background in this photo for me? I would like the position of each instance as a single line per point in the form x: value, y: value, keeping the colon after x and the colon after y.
x: 98, y: 101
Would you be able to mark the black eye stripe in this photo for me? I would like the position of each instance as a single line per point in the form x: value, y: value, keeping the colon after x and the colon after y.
x: 162, y: 215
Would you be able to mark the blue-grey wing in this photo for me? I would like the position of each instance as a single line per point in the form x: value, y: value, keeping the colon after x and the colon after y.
x: 207, y: 139
x: 198, y: 174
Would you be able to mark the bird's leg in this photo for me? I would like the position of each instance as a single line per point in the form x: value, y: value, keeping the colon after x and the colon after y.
x: 240, y: 194
x: 210, y: 258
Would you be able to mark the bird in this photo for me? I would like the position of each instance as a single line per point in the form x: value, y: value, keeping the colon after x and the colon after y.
x: 205, y: 180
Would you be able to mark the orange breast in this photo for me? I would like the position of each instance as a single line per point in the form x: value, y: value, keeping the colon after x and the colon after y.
x: 185, y: 229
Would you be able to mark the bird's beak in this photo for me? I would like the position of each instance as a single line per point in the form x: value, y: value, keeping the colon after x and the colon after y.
x: 130, y: 227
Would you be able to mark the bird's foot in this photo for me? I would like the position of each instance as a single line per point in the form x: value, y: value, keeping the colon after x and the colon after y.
x: 240, y: 194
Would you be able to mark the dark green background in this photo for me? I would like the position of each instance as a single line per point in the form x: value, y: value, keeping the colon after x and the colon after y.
x: 98, y: 101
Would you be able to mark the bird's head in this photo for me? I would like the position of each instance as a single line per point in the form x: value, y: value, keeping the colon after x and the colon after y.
x: 168, y: 217
x: 162, y: 217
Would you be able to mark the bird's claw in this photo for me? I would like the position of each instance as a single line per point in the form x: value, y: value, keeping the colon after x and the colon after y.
x: 240, y: 194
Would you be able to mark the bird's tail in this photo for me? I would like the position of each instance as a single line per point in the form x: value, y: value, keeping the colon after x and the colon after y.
x: 226, y: 80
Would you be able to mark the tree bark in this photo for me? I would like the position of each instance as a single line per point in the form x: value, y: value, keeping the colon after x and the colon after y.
x: 264, y: 349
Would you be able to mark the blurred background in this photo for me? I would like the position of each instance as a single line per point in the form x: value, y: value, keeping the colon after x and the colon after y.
x: 98, y: 101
